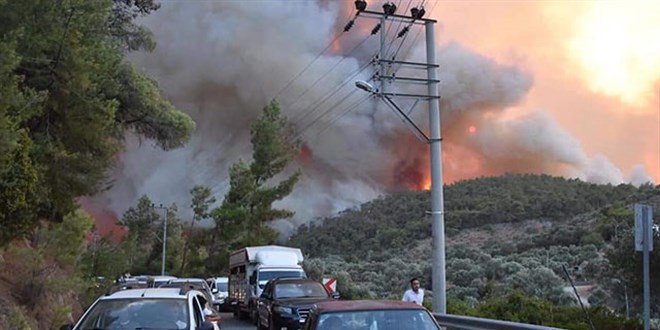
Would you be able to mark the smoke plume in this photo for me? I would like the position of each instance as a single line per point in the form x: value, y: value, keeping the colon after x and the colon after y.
x: 222, y: 61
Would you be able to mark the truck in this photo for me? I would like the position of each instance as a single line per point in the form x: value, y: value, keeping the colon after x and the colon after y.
x: 250, y: 268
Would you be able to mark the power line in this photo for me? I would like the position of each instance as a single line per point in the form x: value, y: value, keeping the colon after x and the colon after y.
x: 397, y: 29
x: 346, y: 28
x: 309, y: 125
x: 315, y: 105
x: 349, y: 109
x: 419, y: 32
x: 299, y: 97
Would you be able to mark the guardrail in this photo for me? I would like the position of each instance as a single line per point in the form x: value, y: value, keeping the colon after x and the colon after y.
x: 476, y: 323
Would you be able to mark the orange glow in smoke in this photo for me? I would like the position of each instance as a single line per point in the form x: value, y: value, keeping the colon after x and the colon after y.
x: 426, y: 184
x: 305, y: 154
x: 105, y: 221
x: 472, y: 129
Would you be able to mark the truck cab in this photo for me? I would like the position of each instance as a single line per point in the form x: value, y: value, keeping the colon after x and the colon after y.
x: 252, y: 267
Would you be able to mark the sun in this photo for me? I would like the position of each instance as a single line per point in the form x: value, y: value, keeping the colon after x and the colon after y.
x: 617, y: 47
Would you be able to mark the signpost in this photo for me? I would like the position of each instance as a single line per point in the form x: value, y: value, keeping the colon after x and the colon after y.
x: 644, y: 243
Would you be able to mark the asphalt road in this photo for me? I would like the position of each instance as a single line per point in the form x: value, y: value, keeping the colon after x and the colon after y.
x: 230, y: 323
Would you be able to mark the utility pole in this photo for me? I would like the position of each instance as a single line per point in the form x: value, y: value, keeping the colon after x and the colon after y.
x: 432, y: 96
x: 644, y: 244
x: 162, y: 264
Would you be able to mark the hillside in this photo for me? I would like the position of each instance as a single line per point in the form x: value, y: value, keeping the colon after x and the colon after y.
x: 506, y: 233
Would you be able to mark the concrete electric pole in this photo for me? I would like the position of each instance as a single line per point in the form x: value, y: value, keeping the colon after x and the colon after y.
x: 384, y: 78
x: 162, y: 265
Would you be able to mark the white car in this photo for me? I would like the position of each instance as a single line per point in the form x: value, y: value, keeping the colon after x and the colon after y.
x: 219, y: 289
x: 150, y: 308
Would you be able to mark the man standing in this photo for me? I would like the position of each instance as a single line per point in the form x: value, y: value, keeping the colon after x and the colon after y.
x: 414, y: 294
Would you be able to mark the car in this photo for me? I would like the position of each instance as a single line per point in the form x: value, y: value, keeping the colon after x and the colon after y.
x: 370, y: 315
x: 149, y: 308
x: 191, y: 283
x: 156, y: 281
x: 285, y: 302
x: 219, y: 289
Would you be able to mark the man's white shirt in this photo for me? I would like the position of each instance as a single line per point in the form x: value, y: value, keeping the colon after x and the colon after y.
x: 417, y: 298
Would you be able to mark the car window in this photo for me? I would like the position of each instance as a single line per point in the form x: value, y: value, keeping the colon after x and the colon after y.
x: 298, y: 290
x: 222, y: 286
x: 265, y: 276
x: 378, y: 320
x: 198, y: 314
x: 136, y: 313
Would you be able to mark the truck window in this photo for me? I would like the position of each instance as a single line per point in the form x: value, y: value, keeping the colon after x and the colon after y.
x: 265, y: 276
x: 253, y: 278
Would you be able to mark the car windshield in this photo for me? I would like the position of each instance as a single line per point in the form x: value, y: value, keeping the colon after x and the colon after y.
x: 299, y: 290
x: 265, y: 276
x: 222, y: 286
x: 378, y: 320
x: 145, y: 313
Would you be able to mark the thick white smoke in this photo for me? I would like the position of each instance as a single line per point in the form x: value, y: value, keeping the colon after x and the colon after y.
x: 222, y: 61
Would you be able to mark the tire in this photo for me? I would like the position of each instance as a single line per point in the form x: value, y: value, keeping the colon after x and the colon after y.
x: 261, y: 326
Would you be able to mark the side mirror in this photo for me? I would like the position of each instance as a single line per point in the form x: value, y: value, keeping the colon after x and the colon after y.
x: 336, y: 295
x: 206, y: 326
x: 67, y: 327
x: 214, y: 290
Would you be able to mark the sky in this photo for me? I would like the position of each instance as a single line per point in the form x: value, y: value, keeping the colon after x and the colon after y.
x: 596, y: 66
x: 568, y: 88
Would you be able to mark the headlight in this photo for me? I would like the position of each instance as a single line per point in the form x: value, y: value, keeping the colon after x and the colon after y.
x: 283, y: 310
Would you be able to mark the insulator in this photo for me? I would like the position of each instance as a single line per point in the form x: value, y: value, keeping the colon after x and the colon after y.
x: 360, y: 5
x: 389, y: 8
x: 349, y: 25
x: 376, y: 29
x: 421, y: 13
x: 417, y: 13
x: 403, y: 32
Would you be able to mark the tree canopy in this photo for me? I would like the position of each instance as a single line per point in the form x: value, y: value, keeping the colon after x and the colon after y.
x: 67, y: 99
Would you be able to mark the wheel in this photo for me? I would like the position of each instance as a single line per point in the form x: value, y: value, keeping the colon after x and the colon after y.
x: 261, y: 326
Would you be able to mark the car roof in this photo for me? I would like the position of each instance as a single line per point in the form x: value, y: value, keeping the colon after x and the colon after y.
x: 165, y: 293
x: 364, y: 305
x: 162, y: 277
x: 187, y: 279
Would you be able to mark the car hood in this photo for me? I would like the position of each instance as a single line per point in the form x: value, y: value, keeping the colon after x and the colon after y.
x: 301, y: 301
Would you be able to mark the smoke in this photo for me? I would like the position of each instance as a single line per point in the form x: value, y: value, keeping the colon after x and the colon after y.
x: 222, y: 61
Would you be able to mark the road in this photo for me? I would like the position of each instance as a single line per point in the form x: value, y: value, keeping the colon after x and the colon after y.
x: 230, y: 323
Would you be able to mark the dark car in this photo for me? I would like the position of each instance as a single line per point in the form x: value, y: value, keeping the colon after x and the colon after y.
x: 370, y: 315
x: 285, y: 302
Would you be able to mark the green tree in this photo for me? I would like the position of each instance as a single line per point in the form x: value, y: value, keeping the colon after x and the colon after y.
x: 64, y: 83
x: 141, y: 239
x: 201, y: 202
x: 247, y: 206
